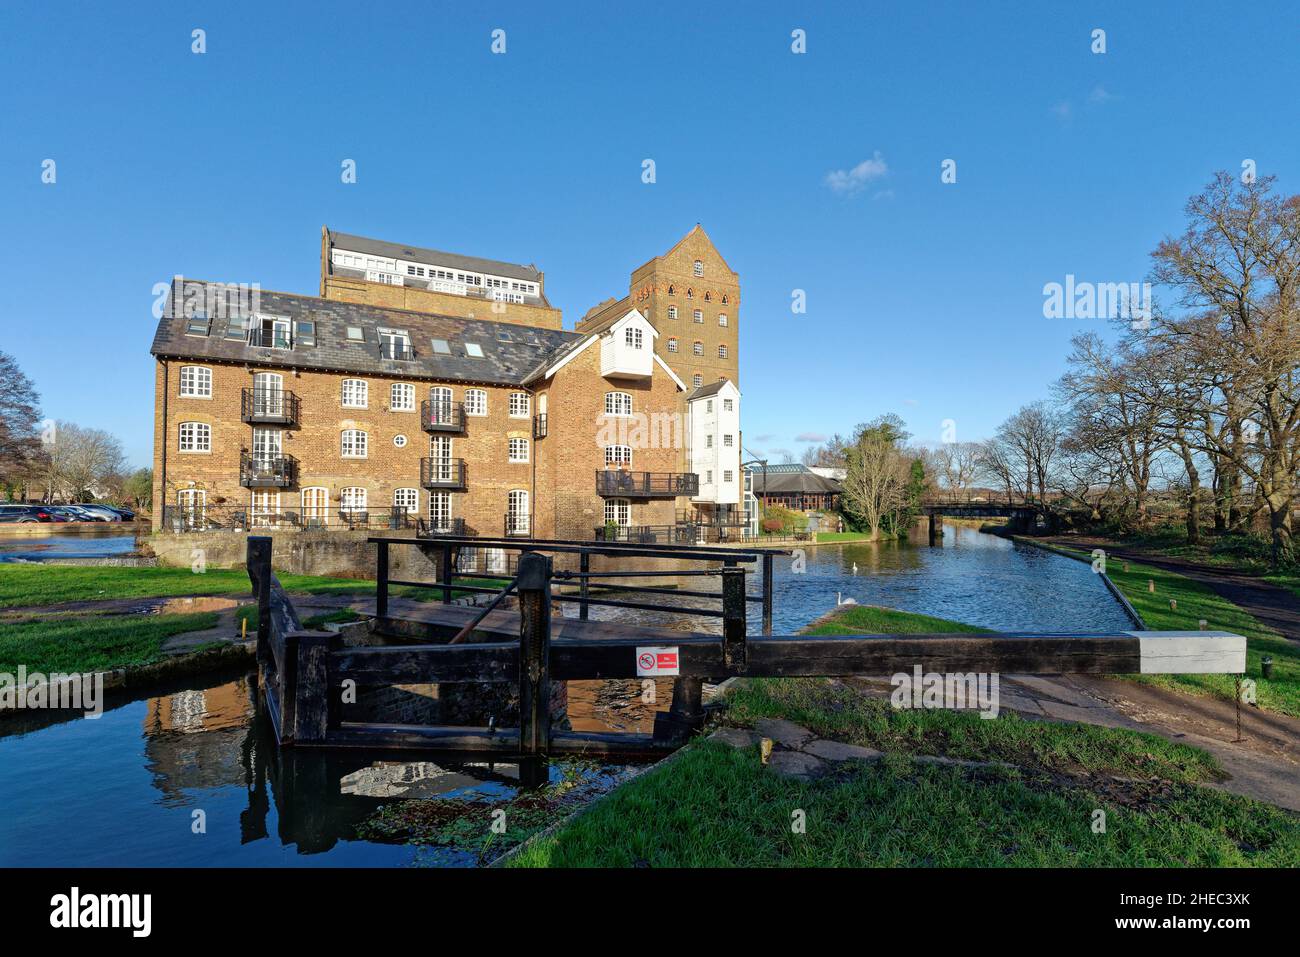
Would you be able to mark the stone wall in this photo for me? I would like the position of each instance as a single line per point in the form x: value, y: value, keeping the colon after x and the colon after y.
x: 332, y: 553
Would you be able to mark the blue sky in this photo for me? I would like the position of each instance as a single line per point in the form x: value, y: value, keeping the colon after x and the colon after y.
x: 924, y: 298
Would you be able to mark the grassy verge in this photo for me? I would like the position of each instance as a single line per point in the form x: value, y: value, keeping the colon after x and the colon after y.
x: 1195, y: 603
x: 717, y: 806
x: 31, y: 585
x: 844, y: 537
x: 80, y: 645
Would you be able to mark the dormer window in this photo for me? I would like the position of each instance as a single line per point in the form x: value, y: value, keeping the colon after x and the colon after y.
x: 632, y: 337
x: 394, y: 345
x: 270, y: 332
x: 699, y: 268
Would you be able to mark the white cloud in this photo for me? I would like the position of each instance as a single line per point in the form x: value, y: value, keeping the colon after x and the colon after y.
x: 850, y: 181
x: 1100, y: 94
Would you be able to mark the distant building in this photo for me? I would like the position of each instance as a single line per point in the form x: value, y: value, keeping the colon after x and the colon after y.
x: 796, y: 487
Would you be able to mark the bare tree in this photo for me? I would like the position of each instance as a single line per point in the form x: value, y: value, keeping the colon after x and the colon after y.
x: 80, y: 461
x: 20, y: 446
x: 1030, y: 441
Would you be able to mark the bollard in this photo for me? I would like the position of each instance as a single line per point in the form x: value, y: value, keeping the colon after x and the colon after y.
x: 1151, y: 585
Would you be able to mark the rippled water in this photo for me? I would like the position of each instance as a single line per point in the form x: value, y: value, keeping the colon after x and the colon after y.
x: 124, y: 789
x: 67, y: 545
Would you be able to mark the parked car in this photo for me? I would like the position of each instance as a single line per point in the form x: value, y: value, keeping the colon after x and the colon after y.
x: 86, y: 515
x: 25, y: 514
x: 108, y: 514
x: 125, y: 513
x: 65, y: 513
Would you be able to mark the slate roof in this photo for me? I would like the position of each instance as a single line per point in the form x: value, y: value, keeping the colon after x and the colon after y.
x: 713, y: 388
x: 503, y: 363
x: 380, y: 247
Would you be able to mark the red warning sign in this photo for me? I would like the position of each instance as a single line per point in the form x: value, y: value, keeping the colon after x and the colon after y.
x: 656, y: 662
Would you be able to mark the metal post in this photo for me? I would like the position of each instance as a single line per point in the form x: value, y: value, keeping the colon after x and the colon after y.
x: 381, y: 580
x: 733, y: 614
x: 534, y: 663
x: 767, y: 593
x: 584, y: 566
x: 444, y: 574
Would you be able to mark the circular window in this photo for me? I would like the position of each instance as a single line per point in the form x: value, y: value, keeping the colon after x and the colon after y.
x: 399, y: 441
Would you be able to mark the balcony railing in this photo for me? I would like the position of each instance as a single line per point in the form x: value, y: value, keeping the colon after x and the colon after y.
x: 625, y: 484
x: 269, y: 407
x: 539, y: 425
x: 648, y: 534
x: 517, y: 525
x: 267, y: 471
x: 390, y: 349
x: 439, y: 416
x: 442, y: 473
x: 428, y: 528
x: 206, y: 518
x: 270, y: 339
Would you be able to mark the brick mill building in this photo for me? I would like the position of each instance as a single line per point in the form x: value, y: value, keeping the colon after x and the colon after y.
x: 429, y: 386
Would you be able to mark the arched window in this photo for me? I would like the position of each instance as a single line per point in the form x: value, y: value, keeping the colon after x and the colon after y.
x: 699, y: 268
x: 352, y: 503
x: 196, y: 382
x: 618, y: 511
x: 690, y: 293
x: 520, y: 405
x: 517, y: 512
x: 401, y: 397
x: 476, y: 402
x: 708, y: 297
x: 407, y: 500
x: 315, y: 507
x: 618, y: 403
x: 672, y: 290
x: 355, y: 444
x: 356, y: 393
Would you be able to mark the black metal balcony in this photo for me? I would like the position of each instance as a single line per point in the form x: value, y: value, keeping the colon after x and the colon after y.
x: 436, y: 416
x: 268, y: 407
x: 270, y: 339
x: 624, y: 484
x: 517, y: 525
x: 539, y: 425
x: 442, y: 473
x: 267, y: 471
x: 428, y: 528
x: 402, y: 351
x: 648, y: 534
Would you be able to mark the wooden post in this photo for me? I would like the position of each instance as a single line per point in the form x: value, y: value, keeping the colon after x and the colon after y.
x: 584, y: 566
x: 444, y: 574
x: 767, y: 593
x: 381, y: 580
x: 733, y: 615
x: 311, y: 685
x: 534, y: 578
x: 936, y: 528
x: 259, y: 573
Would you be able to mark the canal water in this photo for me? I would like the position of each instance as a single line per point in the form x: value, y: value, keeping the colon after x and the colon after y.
x: 69, y: 545
x: 124, y: 789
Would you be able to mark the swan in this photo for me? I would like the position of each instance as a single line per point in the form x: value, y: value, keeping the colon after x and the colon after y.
x: 844, y: 601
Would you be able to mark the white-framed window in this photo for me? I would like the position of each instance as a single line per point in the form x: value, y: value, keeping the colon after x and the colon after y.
x: 356, y: 393
x: 440, y: 510
x: 195, y: 437
x: 632, y: 337
x: 698, y: 348
x: 708, y: 477
x: 708, y: 405
x: 727, y: 476
x: 618, y: 455
x: 722, y: 318
x: 708, y: 441
x: 355, y: 444
x: 618, y: 403
x: 407, y: 499
x: 352, y: 501
x: 517, y: 450
x: 520, y: 405
x: 399, y: 441
x: 728, y: 441
x: 672, y: 343
x: 697, y: 380
x: 698, y: 268
x: 315, y: 506
x: 192, y: 503
x: 672, y: 312
x: 727, y: 405
x: 473, y: 350
x: 401, y: 397
x: 698, y: 315
x: 476, y: 402
x: 618, y: 511
x: 517, y: 511
x: 196, y: 382
x: 266, y: 508
x: 722, y: 352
